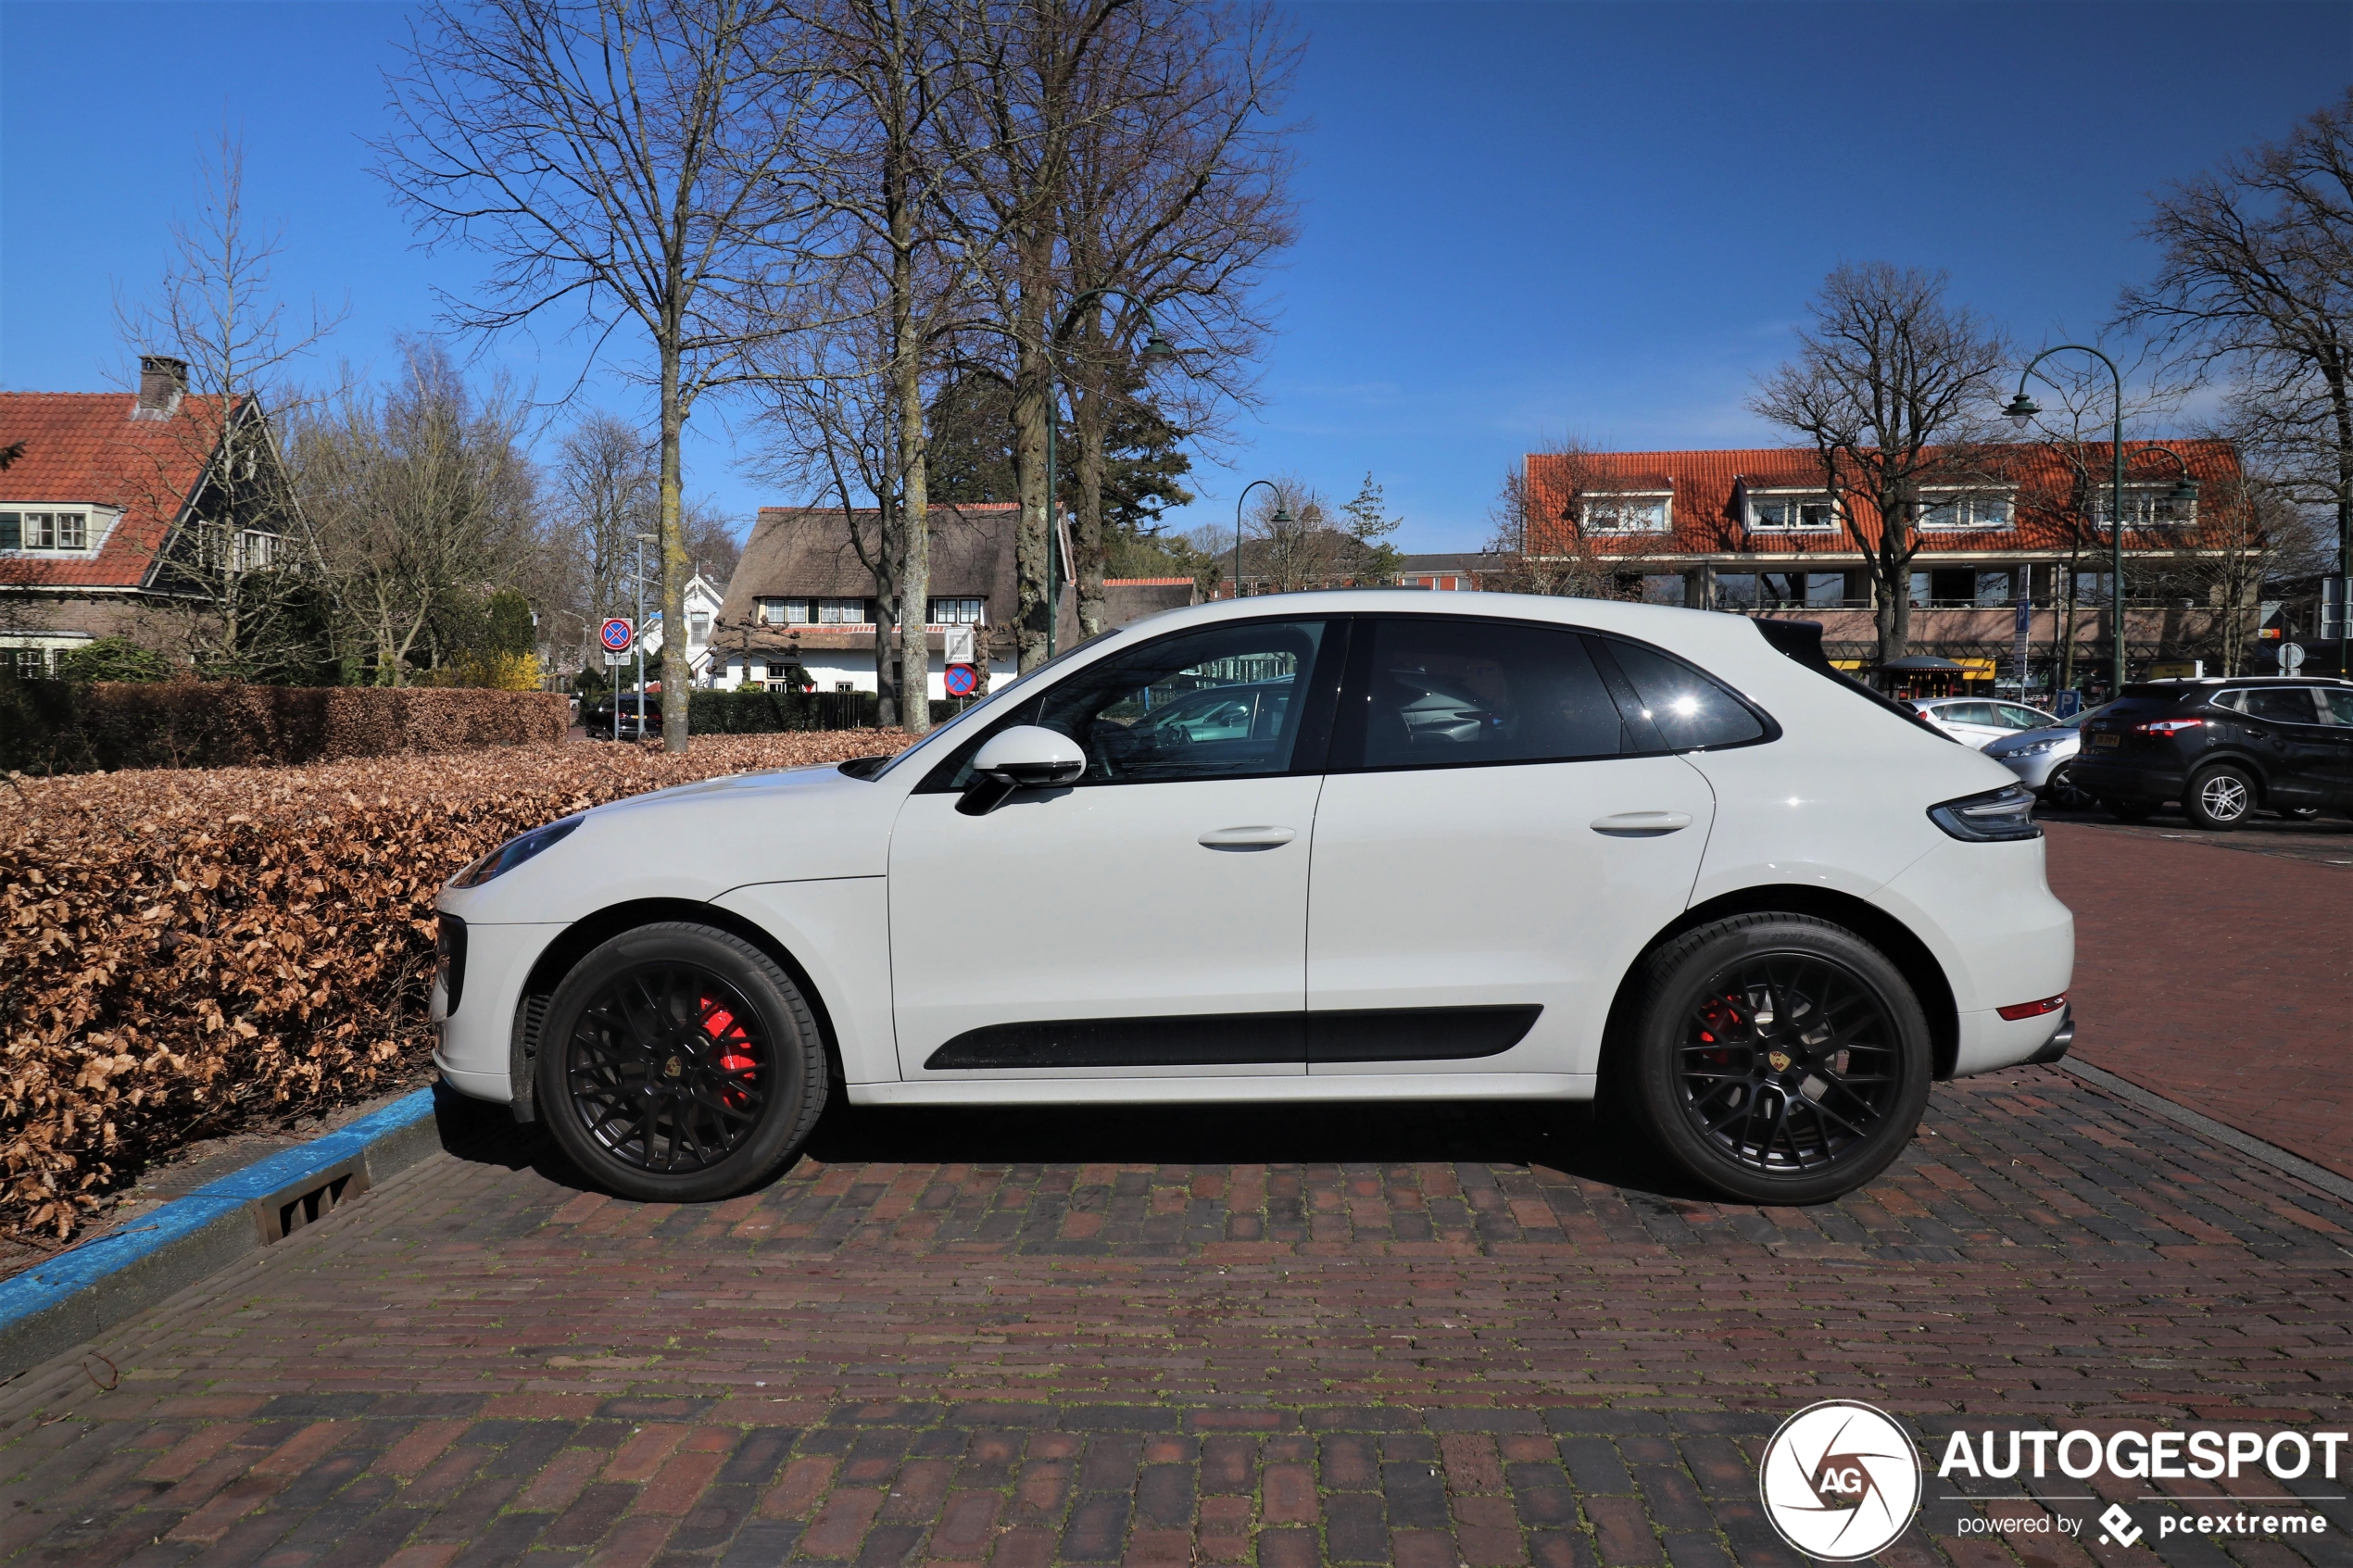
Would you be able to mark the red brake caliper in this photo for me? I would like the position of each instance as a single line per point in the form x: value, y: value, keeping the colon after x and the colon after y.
x: 734, y: 1044
x: 1718, y: 1019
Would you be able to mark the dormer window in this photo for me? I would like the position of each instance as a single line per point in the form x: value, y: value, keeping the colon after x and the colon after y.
x: 2146, y: 505
x: 1966, y: 511
x: 1791, y: 512
x: 44, y: 530
x: 1627, y: 511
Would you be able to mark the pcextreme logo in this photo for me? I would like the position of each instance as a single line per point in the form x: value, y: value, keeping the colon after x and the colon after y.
x: 1840, y: 1480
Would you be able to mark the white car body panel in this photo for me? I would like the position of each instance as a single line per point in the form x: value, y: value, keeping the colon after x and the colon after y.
x: 1171, y: 928
x: 1476, y: 886
x: 1086, y: 907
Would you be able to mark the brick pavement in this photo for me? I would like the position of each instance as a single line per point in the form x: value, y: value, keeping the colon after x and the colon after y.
x: 2221, y: 981
x: 1438, y: 1336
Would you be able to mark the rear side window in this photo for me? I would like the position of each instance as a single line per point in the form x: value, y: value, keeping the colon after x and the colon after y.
x: 1436, y: 691
x: 1690, y: 712
x: 2340, y: 706
x: 2283, y: 705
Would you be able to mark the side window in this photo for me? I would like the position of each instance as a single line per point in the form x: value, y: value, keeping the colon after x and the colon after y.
x: 2339, y: 706
x: 1429, y: 691
x: 2235, y: 701
x: 2016, y: 718
x: 1689, y: 709
x: 2283, y: 705
x: 1967, y: 713
x: 1225, y: 702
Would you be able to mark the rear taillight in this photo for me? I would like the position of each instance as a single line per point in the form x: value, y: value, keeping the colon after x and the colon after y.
x: 1997, y: 814
x: 2016, y: 1010
x: 2167, y: 726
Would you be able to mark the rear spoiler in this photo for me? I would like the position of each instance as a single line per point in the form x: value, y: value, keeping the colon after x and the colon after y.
x: 1801, y: 641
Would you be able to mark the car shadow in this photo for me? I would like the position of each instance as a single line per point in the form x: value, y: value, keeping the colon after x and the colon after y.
x: 1574, y: 1139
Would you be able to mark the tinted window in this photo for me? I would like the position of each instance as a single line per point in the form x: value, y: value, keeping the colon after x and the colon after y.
x: 1442, y: 693
x: 1689, y: 709
x: 1220, y: 703
x: 2285, y: 704
x: 2340, y: 706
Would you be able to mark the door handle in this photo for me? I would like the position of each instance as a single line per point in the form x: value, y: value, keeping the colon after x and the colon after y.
x: 1642, y: 825
x: 1247, y: 838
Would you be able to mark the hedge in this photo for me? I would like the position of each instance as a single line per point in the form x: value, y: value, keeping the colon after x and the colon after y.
x: 184, y: 953
x: 67, y: 727
x: 768, y: 713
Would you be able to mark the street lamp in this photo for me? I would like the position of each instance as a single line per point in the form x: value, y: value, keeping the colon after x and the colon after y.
x: 1282, y: 516
x: 1156, y: 350
x: 2022, y: 409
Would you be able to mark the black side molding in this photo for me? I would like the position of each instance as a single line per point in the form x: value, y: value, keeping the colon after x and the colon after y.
x: 1242, y: 1038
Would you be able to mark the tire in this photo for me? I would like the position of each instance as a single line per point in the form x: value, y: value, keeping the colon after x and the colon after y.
x: 2061, y: 792
x: 1761, y: 1112
x: 2129, y: 810
x: 2219, y: 798
x: 679, y: 1065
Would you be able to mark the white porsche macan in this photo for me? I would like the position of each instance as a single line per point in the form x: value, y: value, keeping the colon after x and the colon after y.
x: 1348, y: 846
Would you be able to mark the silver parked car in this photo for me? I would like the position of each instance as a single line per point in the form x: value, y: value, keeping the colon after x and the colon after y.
x: 1975, y: 721
x: 2039, y: 758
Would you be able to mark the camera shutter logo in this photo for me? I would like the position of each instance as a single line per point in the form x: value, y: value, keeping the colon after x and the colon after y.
x: 1840, y: 1481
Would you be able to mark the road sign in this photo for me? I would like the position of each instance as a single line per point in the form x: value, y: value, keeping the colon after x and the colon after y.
x: 615, y: 661
x: 616, y: 634
x: 962, y: 680
x: 2291, y: 659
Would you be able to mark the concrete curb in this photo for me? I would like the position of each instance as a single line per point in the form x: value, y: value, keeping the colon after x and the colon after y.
x: 87, y: 1289
x: 2255, y: 1148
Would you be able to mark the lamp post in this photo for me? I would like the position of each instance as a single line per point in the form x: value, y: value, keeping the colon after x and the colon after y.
x: 1282, y: 515
x: 1156, y: 349
x: 2021, y: 409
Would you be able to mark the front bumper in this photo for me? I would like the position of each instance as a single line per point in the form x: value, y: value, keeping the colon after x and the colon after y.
x: 477, y: 1041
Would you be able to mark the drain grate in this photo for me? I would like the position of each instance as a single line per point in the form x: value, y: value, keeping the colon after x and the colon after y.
x: 310, y: 1200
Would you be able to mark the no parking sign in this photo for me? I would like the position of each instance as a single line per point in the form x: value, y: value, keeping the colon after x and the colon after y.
x: 962, y: 680
x: 616, y: 634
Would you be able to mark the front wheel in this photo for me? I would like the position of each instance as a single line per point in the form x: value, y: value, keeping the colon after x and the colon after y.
x: 2220, y: 798
x: 680, y: 1064
x: 1777, y: 1057
x: 2062, y: 792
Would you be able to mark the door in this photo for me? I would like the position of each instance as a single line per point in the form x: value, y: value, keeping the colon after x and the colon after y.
x: 1504, y: 827
x: 2291, y: 741
x: 1971, y: 723
x: 1151, y: 920
x: 2336, y: 706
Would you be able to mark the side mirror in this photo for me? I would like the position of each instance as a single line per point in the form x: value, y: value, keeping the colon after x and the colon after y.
x: 1025, y: 757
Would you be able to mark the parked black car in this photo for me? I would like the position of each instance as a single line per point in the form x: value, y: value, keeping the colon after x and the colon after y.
x: 2222, y: 748
x: 597, y: 717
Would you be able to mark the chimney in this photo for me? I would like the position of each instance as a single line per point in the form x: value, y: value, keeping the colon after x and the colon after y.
x: 162, y: 380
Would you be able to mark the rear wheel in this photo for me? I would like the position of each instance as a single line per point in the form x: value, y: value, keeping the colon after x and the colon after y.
x: 680, y: 1064
x: 2221, y: 797
x: 2061, y: 792
x: 2129, y: 810
x: 1777, y: 1057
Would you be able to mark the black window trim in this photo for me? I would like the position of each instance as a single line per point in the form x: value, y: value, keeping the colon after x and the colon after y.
x: 1316, y: 721
x: 1358, y: 690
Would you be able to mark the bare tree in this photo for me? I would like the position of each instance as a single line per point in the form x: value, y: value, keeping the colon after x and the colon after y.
x: 2257, y: 279
x: 241, y: 561
x: 606, y: 490
x: 1568, y: 530
x: 1893, y: 386
x: 635, y: 163
x: 422, y: 502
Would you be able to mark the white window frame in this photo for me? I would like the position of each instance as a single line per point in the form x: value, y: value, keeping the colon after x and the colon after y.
x: 979, y: 610
x: 1599, y: 513
x: 1798, y: 499
x: 92, y: 522
x: 1965, y: 504
x: 2142, y: 500
x: 839, y: 612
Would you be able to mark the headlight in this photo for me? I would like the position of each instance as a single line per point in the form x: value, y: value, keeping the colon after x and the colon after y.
x: 1997, y: 814
x: 2036, y: 749
x: 514, y: 852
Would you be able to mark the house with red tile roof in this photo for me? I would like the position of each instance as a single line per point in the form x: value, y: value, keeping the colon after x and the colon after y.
x: 2013, y: 547
x: 116, y: 518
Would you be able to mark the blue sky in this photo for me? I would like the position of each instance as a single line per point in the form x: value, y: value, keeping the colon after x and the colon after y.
x: 1519, y: 221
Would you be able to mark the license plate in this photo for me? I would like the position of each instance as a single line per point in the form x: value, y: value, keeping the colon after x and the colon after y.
x: 2107, y: 740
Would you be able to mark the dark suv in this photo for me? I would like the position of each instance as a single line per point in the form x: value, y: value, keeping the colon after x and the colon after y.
x: 2222, y: 748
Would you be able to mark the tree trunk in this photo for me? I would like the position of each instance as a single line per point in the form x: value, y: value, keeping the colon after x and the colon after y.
x: 1089, y: 417
x: 914, y: 478
x: 1031, y: 410
x: 677, y: 674
x: 886, y: 703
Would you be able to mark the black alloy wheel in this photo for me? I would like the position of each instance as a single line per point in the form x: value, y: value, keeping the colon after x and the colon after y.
x: 680, y: 1064
x: 2219, y: 798
x: 1781, y: 1059
x: 2061, y: 791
